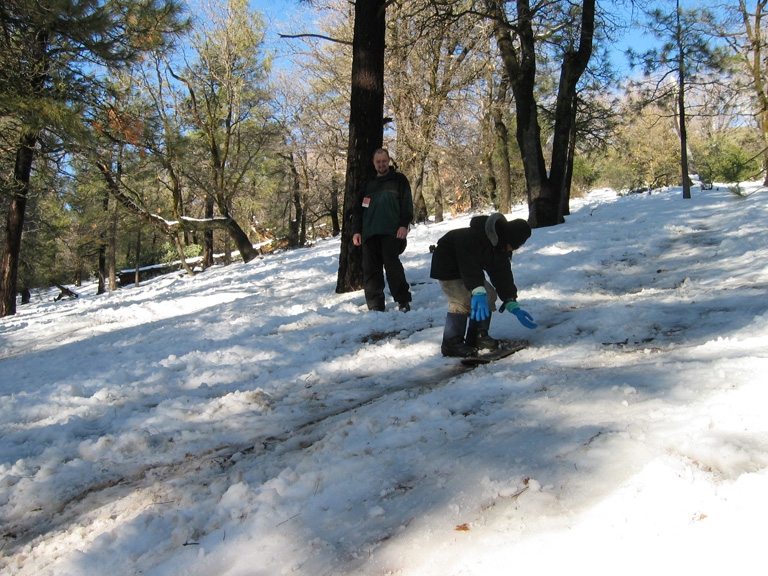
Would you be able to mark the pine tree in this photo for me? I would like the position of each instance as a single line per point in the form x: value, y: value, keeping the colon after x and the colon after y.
x: 51, y: 55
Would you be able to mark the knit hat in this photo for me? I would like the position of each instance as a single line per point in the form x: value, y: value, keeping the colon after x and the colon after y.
x: 502, y: 233
x: 514, y: 233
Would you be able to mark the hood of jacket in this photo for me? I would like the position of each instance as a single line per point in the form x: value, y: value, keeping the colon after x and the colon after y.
x: 487, y: 226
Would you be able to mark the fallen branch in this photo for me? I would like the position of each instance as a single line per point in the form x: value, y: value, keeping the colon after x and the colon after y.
x: 65, y: 292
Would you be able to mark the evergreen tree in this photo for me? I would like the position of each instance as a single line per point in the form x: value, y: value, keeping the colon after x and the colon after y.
x: 685, y: 55
x: 51, y: 54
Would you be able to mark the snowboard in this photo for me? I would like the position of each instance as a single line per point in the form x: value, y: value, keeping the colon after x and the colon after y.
x: 506, y: 348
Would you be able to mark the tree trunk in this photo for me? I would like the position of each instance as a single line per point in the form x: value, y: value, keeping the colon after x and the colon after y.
x: 420, y: 213
x: 503, y: 198
x: 520, y: 67
x: 438, y: 191
x: 240, y: 238
x: 208, y: 235
x: 137, y: 276
x: 681, y: 109
x: 182, y: 257
x: 112, y: 249
x: 565, y: 199
x: 366, y: 126
x: 574, y: 65
x: 335, y: 224
x: 683, y: 141
x: 519, y: 61
x: 101, y: 286
x: 542, y: 203
x: 227, y: 250
x: 110, y: 209
x: 765, y: 161
x: 489, y: 139
x: 236, y: 234
x: 304, y: 204
x: 11, y: 249
x: 294, y: 215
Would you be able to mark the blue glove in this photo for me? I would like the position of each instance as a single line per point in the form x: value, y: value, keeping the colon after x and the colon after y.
x: 523, y: 316
x: 480, y: 310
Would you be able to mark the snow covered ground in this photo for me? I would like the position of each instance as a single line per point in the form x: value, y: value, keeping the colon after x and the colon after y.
x: 250, y: 421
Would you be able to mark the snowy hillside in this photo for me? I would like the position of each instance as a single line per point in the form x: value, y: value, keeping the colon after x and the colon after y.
x: 250, y: 421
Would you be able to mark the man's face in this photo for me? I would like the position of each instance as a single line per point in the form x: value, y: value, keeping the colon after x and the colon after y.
x: 381, y: 162
x: 511, y: 248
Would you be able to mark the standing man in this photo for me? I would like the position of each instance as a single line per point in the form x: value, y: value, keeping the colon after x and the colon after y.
x: 380, y: 225
x: 460, y: 262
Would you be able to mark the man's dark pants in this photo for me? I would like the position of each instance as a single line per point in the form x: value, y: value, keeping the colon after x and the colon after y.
x: 383, y: 252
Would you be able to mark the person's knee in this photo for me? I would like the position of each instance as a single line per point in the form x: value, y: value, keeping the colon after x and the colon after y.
x: 459, y: 308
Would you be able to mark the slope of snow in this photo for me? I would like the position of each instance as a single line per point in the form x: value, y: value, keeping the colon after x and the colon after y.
x: 250, y: 421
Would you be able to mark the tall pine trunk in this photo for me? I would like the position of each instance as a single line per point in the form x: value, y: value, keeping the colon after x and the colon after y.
x: 681, y: 109
x: 11, y: 249
x: 366, y: 126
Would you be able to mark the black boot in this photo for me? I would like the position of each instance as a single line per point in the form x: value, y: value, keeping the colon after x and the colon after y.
x: 453, y: 337
x: 477, y: 335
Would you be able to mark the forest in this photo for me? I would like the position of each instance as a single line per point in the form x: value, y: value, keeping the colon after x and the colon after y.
x: 139, y: 134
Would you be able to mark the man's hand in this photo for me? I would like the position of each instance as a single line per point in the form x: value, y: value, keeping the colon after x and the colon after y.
x: 357, y: 239
x: 402, y: 232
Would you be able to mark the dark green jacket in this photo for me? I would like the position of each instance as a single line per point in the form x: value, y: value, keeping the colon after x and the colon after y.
x: 389, y: 206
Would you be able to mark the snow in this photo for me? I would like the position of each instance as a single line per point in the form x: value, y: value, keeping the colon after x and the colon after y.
x: 251, y: 421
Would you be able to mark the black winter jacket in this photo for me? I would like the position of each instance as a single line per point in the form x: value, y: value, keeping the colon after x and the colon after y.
x: 467, y: 253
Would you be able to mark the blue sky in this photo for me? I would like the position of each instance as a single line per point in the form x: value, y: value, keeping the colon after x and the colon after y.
x: 276, y: 9
x: 278, y: 15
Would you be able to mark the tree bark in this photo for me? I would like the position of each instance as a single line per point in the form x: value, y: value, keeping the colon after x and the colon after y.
x: 751, y: 55
x: 294, y: 234
x: 438, y: 191
x: 520, y: 68
x: 11, y: 249
x: 503, y: 198
x: 366, y: 126
x: 574, y: 65
x: 420, y: 213
x: 101, y: 286
x: 489, y: 146
x: 335, y: 224
x: 681, y: 108
x: 137, y: 276
x: 182, y: 257
x: 519, y: 60
x: 565, y: 199
x: 208, y: 235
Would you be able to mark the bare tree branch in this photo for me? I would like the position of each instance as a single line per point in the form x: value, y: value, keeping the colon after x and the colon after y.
x: 320, y: 36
